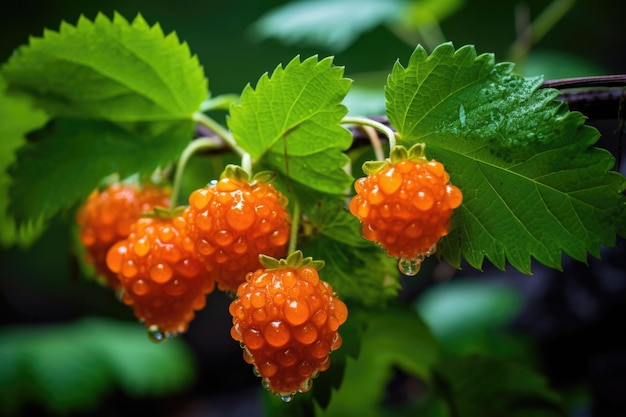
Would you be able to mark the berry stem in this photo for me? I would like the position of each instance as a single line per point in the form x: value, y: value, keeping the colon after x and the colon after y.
x: 223, y: 133
x: 363, y: 121
x: 193, y: 147
x: 295, y: 226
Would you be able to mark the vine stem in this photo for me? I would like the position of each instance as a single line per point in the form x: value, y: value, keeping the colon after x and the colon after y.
x: 363, y: 121
x: 199, y: 144
x: 295, y: 226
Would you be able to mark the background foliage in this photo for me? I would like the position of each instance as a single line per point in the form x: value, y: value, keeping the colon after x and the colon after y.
x: 232, y: 50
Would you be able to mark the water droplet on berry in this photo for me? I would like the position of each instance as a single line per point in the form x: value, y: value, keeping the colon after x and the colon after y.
x: 161, y: 273
x: 390, y: 181
x: 431, y: 250
x: 157, y: 335
x: 265, y: 383
x: 306, y: 385
x: 277, y: 333
x: 409, y: 267
x: 287, y: 398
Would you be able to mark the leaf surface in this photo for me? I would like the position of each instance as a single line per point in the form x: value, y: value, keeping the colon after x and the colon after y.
x: 70, y: 157
x: 109, y: 69
x: 297, y: 112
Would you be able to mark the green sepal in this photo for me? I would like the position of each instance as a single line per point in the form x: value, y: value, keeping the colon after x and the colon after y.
x: 264, y: 177
x: 294, y: 260
x: 164, y: 213
x: 372, y: 167
x: 235, y: 172
x: 397, y: 154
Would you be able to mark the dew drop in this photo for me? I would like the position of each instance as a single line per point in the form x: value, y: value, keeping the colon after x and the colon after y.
x: 265, y: 383
x: 286, y: 397
x: 409, y: 267
x: 306, y: 385
x: 431, y: 250
x: 157, y: 335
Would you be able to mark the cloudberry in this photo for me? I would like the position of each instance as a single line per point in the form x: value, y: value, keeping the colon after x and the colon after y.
x: 233, y: 221
x: 405, y: 204
x: 161, y: 275
x: 106, y: 216
x: 287, y: 320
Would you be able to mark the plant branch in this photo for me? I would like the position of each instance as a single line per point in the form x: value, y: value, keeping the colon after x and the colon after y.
x: 381, y: 127
x: 295, y: 226
x: 193, y: 147
x: 218, y: 129
x: 537, y: 29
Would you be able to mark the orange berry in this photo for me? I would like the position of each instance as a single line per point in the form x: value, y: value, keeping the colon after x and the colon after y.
x: 233, y: 221
x: 287, y: 320
x: 405, y: 204
x: 161, y: 276
x: 106, y: 217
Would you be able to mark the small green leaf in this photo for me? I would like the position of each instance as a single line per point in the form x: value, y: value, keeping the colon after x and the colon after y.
x: 110, y: 69
x: 18, y: 118
x: 297, y: 113
x: 334, y: 24
x: 70, y: 157
x: 394, y: 337
x: 477, y: 386
x: 533, y: 185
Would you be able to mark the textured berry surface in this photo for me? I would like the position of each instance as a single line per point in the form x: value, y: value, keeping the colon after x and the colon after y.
x: 286, y: 320
x: 161, y: 275
x: 106, y: 216
x: 406, y: 206
x: 233, y: 221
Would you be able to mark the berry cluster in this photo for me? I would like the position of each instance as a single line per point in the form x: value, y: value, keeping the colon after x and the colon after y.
x: 106, y: 217
x: 165, y: 262
x: 233, y: 221
x: 286, y: 319
x: 405, y: 204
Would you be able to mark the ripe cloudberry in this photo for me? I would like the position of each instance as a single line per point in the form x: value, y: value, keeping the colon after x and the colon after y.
x: 405, y: 204
x: 161, y: 275
x: 106, y: 216
x: 286, y: 320
x: 233, y: 221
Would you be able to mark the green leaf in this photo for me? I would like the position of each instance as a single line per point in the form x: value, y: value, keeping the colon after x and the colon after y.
x: 533, y: 185
x: 110, y: 69
x: 71, y: 367
x: 476, y: 386
x: 297, y: 112
x: 334, y: 24
x: 18, y: 118
x: 394, y: 338
x: 70, y: 157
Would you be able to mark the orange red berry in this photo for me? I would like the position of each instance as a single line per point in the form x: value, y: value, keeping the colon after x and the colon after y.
x: 162, y: 278
x: 233, y: 221
x: 405, y: 203
x: 106, y: 217
x: 287, y: 319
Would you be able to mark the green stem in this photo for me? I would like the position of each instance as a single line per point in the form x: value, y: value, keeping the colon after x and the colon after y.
x: 364, y: 121
x: 295, y: 226
x: 219, y: 130
x: 193, y: 147
x: 539, y: 28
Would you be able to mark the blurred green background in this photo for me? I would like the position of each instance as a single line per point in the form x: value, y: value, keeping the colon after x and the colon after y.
x: 44, y: 297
